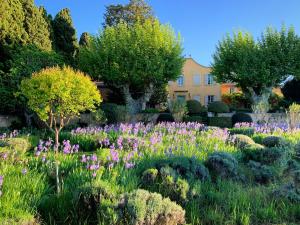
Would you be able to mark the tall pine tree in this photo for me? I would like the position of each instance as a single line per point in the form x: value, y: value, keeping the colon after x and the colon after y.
x: 65, y: 40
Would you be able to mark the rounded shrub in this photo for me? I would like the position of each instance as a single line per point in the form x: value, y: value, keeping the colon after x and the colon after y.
x: 252, y: 152
x: 218, y: 107
x: 262, y: 174
x: 195, y: 107
x: 263, y: 155
x: 143, y: 207
x: 20, y: 145
x: 223, y: 165
x: 197, y: 119
x: 165, y: 117
x: 241, y: 118
x: 273, y: 141
x: 240, y: 140
x: 249, y: 131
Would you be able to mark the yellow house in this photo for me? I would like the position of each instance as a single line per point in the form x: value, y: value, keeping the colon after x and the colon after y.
x: 196, y: 83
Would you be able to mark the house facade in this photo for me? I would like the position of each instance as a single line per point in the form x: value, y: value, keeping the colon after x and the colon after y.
x: 196, y: 82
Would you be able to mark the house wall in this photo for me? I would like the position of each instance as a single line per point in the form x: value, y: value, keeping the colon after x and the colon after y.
x: 191, y: 90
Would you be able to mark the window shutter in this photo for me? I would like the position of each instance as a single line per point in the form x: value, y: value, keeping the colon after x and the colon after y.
x: 206, y: 79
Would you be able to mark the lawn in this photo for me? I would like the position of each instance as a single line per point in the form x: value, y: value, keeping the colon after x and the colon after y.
x: 168, y: 173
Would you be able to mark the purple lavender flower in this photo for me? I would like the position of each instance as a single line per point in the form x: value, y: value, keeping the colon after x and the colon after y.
x: 24, y: 171
x: 129, y: 165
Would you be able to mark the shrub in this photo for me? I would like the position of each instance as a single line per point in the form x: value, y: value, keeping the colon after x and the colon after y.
x: 20, y: 145
x: 222, y: 165
x: 241, y: 118
x: 297, y: 150
x: 165, y: 117
x: 99, y: 116
x: 149, y: 175
x: 273, y: 141
x: 115, y: 113
x: 220, y: 122
x: 193, y: 119
x: 251, y: 152
x: 287, y: 191
x: 249, y: 131
x: 178, y: 109
x: 263, y: 155
x: 262, y: 173
x: 143, y: 207
x: 89, y: 199
x: 236, y: 100
x: 241, y: 140
x: 150, y: 110
x: 218, y: 107
x: 195, y: 107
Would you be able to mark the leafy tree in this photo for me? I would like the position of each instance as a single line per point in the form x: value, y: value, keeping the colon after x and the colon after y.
x: 84, y: 39
x: 26, y: 60
x: 65, y: 40
x: 21, y: 23
x: 134, y: 58
x: 290, y: 90
x: 134, y: 11
x: 59, y: 94
x: 257, y: 66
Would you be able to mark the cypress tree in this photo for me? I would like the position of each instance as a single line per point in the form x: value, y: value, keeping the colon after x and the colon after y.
x: 84, y: 39
x: 65, y: 40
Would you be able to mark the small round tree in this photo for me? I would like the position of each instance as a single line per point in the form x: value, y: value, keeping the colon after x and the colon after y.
x: 58, y: 94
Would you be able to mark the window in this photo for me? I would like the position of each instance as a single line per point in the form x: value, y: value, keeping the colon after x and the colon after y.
x: 180, y: 80
x: 209, y: 99
x: 197, y: 98
x: 197, y: 79
x: 209, y: 79
x: 180, y: 97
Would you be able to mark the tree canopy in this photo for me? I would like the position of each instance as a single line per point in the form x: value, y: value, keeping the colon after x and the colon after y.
x: 134, y: 11
x: 134, y: 58
x: 58, y: 94
x: 257, y: 66
x: 25, y: 61
x: 64, y: 33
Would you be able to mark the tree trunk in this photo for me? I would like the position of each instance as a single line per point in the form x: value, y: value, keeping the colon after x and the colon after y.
x: 136, y: 105
x: 56, y: 160
x: 260, y: 103
x: 56, y: 140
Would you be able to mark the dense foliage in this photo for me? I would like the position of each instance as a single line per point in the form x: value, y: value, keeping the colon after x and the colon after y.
x: 58, y: 94
x: 65, y: 40
x: 257, y: 66
x: 131, y: 13
x: 26, y: 60
x: 153, y: 57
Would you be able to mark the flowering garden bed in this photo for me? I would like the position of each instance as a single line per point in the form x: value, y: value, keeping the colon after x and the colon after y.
x: 169, y: 173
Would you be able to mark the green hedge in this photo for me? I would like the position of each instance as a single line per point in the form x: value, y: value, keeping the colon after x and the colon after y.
x: 218, y: 107
x: 198, y: 119
x: 220, y: 122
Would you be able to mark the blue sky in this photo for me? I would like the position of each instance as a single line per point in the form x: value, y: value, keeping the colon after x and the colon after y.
x: 202, y: 23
